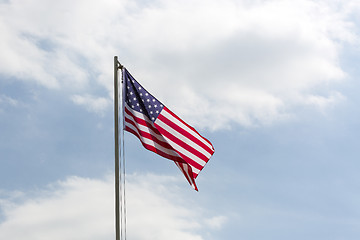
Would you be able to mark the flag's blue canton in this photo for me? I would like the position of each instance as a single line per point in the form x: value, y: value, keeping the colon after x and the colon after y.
x: 139, y: 99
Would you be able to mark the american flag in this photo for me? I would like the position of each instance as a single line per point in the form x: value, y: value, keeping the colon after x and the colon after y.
x: 162, y: 132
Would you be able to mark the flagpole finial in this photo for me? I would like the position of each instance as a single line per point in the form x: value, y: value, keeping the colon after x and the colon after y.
x: 119, y: 65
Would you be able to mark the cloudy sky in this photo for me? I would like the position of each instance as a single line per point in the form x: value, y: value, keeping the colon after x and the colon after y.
x: 273, y: 84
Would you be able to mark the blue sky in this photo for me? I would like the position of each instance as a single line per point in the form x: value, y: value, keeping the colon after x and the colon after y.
x: 272, y: 84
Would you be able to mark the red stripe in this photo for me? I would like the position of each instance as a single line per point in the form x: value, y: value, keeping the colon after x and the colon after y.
x: 187, y: 174
x: 153, y: 149
x: 175, y: 116
x: 143, y: 122
x: 179, y: 141
x: 148, y: 135
x: 185, y: 133
x: 190, y: 161
x: 185, y: 146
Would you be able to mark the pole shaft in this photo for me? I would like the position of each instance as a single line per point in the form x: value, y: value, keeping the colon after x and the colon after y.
x: 116, y: 120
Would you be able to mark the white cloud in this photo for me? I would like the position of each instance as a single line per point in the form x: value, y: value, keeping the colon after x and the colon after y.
x: 22, y: 59
x: 242, y: 62
x: 5, y: 100
x: 216, y: 222
x: 323, y: 102
x: 93, y: 104
x: 81, y: 208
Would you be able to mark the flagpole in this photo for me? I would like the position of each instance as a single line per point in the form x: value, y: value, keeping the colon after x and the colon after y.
x: 117, y: 66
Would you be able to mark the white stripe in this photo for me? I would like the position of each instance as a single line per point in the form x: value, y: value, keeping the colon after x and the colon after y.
x: 182, y: 167
x: 185, y: 128
x: 152, y: 143
x: 145, y: 128
x: 137, y: 114
x: 194, y: 170
x: 185, y: 152
x: 182, y: 137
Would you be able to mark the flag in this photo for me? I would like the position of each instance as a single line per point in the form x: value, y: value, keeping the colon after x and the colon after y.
x: 162, y: 132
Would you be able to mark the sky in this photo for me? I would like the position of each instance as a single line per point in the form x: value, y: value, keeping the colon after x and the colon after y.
x: 273, y: 84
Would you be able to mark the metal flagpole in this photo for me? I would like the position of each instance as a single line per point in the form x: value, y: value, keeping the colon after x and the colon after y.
x: 116, y: 120
x: 122, y: 160
x: 119, y: 201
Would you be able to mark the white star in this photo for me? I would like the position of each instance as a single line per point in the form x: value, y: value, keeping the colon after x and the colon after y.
x: 157, y: 111
x: 155, y: 106
x: 146, y: 94
x: 140, y: 110
x: 148, y: 100
x: 153, y: 100
x: 131, y: 93
x: 151, y: 112
x: 152, y: 118
x: 149, y: 106
x: 140, y: 94
x: 134, y: 98
x: 139, y: 88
